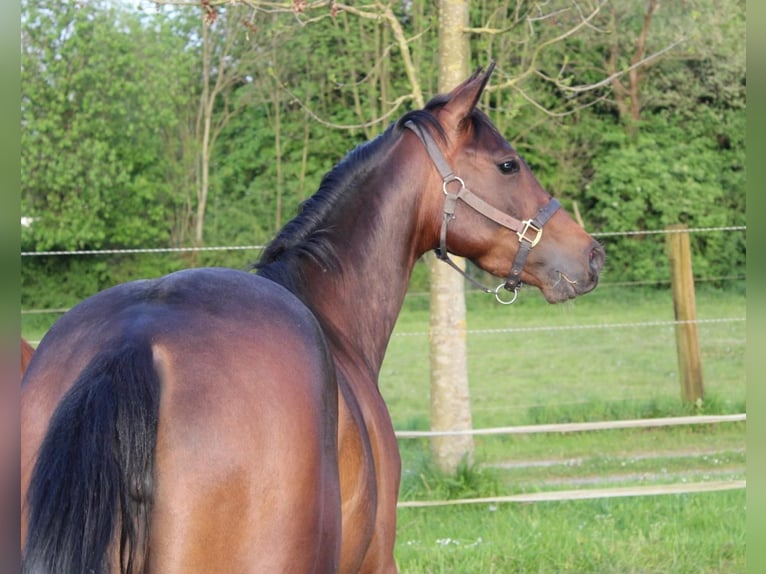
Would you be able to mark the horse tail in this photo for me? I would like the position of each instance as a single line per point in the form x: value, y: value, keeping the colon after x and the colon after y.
x: 92, y: 483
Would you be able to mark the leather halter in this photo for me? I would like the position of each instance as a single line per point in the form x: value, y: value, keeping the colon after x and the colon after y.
x: 529, y: 231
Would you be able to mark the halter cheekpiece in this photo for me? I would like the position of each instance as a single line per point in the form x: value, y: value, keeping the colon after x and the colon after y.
x: 529, y: 231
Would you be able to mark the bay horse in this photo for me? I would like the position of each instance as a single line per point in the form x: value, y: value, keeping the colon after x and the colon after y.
x: 216, y: 420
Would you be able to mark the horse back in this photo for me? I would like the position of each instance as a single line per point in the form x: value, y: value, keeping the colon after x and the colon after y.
x: 247, y: 404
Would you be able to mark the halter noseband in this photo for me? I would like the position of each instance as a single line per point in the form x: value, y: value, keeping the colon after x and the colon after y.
x: 521, y: 228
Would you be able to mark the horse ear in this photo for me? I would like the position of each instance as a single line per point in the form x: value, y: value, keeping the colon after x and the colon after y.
x: 463, y: 99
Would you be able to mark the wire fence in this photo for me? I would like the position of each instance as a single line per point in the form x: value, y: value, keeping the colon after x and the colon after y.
x: 507, y: 330
x: 261, y: 247
x: 585, y: 327
x: 557, y: 495
x: 682, y: 487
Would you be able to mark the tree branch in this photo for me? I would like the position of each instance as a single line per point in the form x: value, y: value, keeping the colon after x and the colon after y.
x: 612, y: 77
x: 531, y: 67
x: 552, y: 114
x: 396, y: 104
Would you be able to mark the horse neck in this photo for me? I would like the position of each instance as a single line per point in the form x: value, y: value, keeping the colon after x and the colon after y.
x: 378, y: 239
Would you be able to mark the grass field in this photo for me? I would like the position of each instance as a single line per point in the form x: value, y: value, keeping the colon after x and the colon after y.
x: 536, y: 363
x: 590, y: 372
x: 675, y: 534
x: 565, y: 368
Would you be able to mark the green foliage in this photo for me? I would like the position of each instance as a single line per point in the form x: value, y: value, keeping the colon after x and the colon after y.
x: 110, y: 136
x: 94, y: 101
x: 670, y: 174
x: 61, y: 282
x: 98, y: 103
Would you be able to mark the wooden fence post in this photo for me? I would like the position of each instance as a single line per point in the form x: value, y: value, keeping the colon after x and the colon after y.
x: 687, y: 340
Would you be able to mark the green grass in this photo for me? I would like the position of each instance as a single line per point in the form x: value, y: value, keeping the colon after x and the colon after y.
x: 694, y: 533
x: 620, y: 372
x: 573, y: 375
x: 678, y: 533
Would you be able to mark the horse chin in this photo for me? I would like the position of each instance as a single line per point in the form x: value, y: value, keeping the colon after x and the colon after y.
x: 561, y: 288
x: 559, y: 293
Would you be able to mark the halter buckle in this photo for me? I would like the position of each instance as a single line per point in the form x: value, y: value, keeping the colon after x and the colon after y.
x: 529, y: 224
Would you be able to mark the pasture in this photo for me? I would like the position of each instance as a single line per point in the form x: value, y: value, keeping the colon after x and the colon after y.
x: 534, y: 363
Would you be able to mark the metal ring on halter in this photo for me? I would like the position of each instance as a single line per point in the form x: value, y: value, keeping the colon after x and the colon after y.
x: 450, y: 179
x: 503, y: 301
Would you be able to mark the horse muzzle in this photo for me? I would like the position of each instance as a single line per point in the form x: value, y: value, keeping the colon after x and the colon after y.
x: 565, y: 283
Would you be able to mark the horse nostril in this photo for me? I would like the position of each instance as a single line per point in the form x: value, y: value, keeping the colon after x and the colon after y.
x: 596, y: 259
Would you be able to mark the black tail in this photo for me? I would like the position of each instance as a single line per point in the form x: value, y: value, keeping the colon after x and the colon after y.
x: 94, y: 472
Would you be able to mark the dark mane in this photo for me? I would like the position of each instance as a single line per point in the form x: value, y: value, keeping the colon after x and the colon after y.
x: 306, y: 235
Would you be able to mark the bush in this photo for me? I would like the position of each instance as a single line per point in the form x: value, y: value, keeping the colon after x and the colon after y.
x: 670, y: 174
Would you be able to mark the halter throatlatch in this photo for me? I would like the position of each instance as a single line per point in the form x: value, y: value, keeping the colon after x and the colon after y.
x: 529, y: 231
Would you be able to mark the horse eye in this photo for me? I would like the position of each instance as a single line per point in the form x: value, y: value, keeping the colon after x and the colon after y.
x: 510, y: 166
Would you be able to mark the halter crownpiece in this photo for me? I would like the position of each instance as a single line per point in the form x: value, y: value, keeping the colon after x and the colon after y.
x: 529, y: 231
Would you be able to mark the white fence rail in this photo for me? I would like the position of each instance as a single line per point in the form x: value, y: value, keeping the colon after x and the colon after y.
x: 580, y: 427
x: 587, y: 493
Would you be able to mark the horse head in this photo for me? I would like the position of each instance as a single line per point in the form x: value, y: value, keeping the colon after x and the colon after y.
x: 493, y: 210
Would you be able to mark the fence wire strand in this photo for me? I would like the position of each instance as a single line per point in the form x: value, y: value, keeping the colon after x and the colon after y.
x: 261, y: 247
x: 541, y: 328
x: 579, y: 427
x: 669, y: 231
x: 147, y: 250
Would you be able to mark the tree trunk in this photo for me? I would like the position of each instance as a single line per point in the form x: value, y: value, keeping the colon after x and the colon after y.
x: 450, y: 398
x: 224, y: 64
x: 204, y: 121
x: 278, y: 156
x: 628, y: 97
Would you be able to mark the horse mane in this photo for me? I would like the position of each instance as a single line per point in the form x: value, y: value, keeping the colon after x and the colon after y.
x: 306, y: 236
